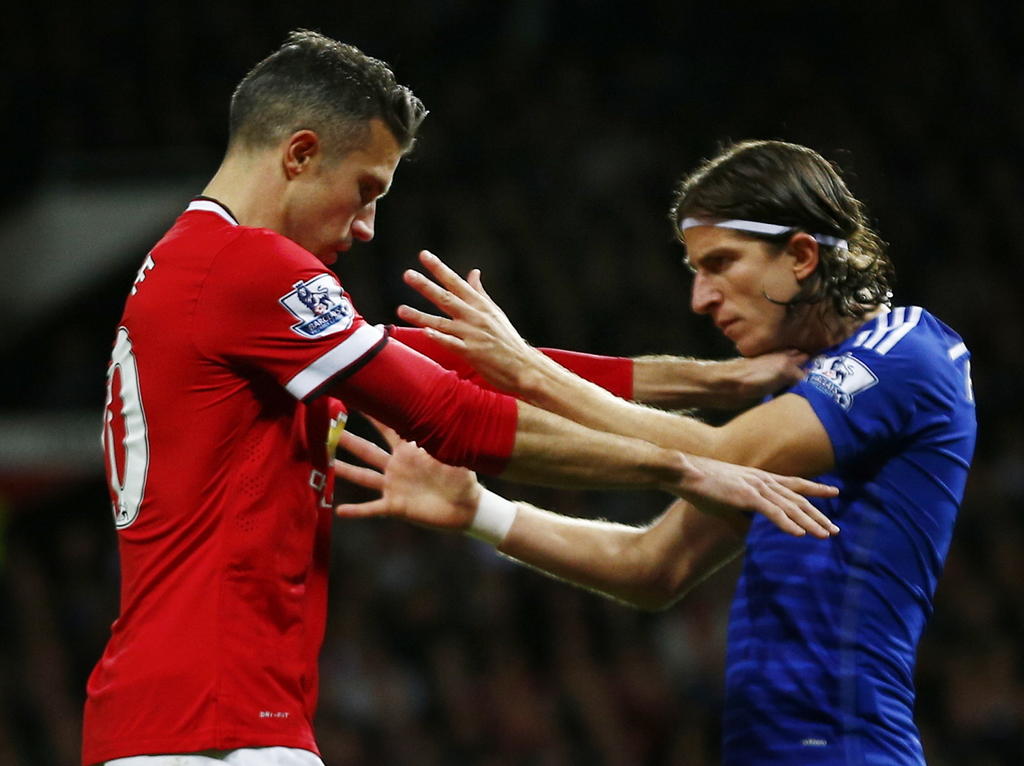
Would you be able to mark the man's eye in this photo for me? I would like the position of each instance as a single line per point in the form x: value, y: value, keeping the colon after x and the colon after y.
x: 714, y: 264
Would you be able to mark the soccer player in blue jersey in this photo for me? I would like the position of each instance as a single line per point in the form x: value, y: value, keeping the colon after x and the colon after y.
x: 822, y: 633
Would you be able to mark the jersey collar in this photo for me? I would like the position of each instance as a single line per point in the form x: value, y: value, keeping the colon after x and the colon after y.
x: 210, y: 205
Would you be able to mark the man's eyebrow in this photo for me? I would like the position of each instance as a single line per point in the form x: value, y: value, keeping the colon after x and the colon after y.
x: 720, y: 250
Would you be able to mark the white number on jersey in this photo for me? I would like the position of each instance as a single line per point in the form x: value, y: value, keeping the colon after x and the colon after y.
x: 125, y: 442
x: 146, y: 266
x: 959, y: 351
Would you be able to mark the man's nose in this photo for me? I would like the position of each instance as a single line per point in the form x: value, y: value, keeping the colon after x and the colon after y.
x: 362, y: 226
x: 704, y: 295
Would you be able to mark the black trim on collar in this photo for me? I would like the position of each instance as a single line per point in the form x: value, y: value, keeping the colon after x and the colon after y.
x: 220, y: 204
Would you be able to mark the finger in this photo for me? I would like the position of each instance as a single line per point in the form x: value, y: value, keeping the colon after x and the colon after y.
x: 364, y: 477
x: 807, y: 487
x: 387, y: 433
x: 445, y: 300
x: 476, y: 281
x: 364, y: 449
x: 774, y: 509
x: 803, y: 512
x: 430, y: 324
x: 362, y: 510
x: 445, y: 275
x: 797, y: 365
x: 450, y: 342
x: 814, y: 513
x: 436, y: 327
x: 423, y: 319
x: 478, y: 285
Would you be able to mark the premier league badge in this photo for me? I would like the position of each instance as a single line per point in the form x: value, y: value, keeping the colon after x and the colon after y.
x: 320, y: 307
x: 841, y: 377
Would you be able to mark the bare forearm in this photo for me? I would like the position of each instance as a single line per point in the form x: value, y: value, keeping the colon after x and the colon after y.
x: 683, y: 383
x: 553, y: 388
x: 783, y: 435
x: 647, y: 567
x: 555, y: 451
x: 596, y: 555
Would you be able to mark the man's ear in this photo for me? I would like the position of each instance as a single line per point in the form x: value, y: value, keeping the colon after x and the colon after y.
x: 299, y: 151
x: 803, y: 249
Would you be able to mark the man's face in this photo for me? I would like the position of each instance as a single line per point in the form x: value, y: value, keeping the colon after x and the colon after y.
x: 333, y: 202
x: 733, y: 273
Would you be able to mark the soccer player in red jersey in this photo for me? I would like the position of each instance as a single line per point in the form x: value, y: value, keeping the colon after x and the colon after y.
x: 233, y: 366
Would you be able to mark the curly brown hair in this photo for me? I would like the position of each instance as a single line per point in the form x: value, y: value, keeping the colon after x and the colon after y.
x: 791, y: 185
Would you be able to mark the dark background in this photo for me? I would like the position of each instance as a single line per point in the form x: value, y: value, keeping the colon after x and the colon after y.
x: 557, y: 132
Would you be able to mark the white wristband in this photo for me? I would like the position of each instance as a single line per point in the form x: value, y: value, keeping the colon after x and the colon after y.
x: 493, y: 518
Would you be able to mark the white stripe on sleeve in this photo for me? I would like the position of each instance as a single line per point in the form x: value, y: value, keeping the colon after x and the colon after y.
x: 334, y: 361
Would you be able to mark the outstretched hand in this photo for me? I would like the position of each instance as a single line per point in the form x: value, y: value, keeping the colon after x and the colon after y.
x: 413, y: 485
x: 416, y: 487
x: 724, y: 488
x: 474, y: 327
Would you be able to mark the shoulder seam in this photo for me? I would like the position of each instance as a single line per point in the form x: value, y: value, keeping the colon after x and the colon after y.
x: 892, y: 328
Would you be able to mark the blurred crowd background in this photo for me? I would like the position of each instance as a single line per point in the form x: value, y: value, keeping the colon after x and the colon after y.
x: 557, y: 131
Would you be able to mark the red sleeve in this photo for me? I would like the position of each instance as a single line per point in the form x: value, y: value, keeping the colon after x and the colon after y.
x: 454, y: 420
x: 268, y: 304
x: 612, y: 373
x: 416, y: 338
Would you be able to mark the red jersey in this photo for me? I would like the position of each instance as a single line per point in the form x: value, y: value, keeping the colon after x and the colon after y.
x: 218, y: 461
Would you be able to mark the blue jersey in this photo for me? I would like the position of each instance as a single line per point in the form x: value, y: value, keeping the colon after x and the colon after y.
x: 823, y: 633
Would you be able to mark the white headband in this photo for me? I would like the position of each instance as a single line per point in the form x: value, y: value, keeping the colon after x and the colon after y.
x: 756, y: 227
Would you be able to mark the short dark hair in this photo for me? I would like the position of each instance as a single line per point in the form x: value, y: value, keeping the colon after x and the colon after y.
x: 316, y: 83
x: 788, y: 184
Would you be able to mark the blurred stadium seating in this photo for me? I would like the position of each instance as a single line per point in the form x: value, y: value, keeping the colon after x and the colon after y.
x: 557, y: 130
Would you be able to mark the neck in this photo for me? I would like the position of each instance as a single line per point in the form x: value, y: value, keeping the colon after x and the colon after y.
x: 816, y: 327
x: 247, y: 184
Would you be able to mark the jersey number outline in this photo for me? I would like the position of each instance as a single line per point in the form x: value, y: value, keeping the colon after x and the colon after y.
x: 968, y: 383
x: 125, y: 436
